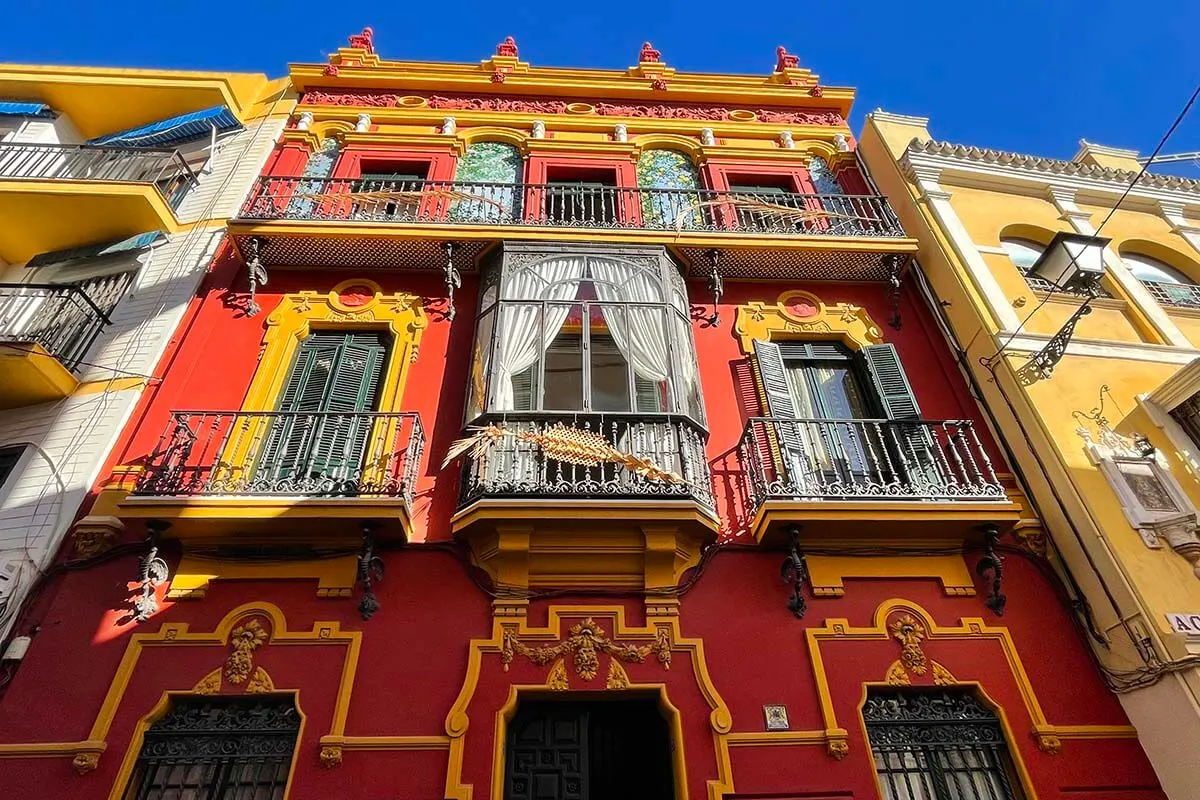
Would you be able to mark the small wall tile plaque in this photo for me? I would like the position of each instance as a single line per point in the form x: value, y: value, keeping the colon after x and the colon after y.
x: 777, y: 718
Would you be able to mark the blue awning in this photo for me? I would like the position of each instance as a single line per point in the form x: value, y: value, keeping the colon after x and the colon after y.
x: 133, y: 243
x: 13, y: 108
x: 175, y: 130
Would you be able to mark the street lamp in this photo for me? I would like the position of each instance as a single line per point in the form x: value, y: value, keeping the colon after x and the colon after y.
x: 1071, y: 262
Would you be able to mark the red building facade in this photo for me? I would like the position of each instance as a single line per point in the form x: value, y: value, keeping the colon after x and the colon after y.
x: 657, y: 324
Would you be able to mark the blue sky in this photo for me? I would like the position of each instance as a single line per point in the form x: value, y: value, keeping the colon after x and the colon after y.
x: 1027, y: 75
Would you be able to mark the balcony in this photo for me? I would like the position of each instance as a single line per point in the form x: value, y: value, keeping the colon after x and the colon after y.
x: 45, y: 333
x: 539, y: 511
x: 107, y: 193
x: 281, y: 473
x: 301, y: 219
x: 841, y: 478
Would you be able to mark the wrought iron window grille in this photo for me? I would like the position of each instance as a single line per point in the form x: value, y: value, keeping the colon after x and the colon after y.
x: 937, y: 744
x: 215, y: 748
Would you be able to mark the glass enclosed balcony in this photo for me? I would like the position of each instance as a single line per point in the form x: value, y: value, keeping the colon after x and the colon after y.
x: 593, y: 346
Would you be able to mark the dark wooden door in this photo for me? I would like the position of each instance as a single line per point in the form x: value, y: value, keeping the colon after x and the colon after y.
x: 601, y: 750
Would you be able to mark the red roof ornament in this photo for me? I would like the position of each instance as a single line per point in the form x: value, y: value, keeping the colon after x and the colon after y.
x: 364, y: 40
x: 649, y: 55
x: 331, y: 70
x: 784, y: 60
x: 507, y: 48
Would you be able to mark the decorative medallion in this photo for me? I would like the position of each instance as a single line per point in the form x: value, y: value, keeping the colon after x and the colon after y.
x: 586, y: 642
x: 331, y: 756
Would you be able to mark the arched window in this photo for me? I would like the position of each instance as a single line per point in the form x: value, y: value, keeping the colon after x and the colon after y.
x: 823, y: 180
x: 1168, y: 285
x: 669, y: 184
x: 490, y: 171
x: 1024, y: 253
x: 316, y: 173
x: 585, y: 332
x: 930, y: 744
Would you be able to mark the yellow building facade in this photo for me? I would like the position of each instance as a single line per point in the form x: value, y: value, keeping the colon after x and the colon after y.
x: 1106, y: 441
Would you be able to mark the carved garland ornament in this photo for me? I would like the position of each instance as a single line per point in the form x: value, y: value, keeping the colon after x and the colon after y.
x: 239, y: 665
x: 583, y: 646
x: 910, y: 634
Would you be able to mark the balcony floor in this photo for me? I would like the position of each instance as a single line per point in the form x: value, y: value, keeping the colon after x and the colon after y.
x: 880, y: 523
x: 30, y: 375
x: 42, y: 216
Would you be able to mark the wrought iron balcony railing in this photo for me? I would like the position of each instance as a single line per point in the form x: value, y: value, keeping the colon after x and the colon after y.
x: 570, y: 206
x: 516, y: 465
x: 1179, y: 295
x: 166, y: 169
x: 867, y: 459
x: 288, y: 454
x: 62, y: 319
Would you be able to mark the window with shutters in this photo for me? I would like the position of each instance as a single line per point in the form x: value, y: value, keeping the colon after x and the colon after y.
x: 216, y: 748
x: 317, y: 437
x: 842, y: 422
x: 938, y: 744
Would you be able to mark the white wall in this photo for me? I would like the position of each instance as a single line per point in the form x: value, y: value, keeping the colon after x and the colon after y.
x: 73, y: 437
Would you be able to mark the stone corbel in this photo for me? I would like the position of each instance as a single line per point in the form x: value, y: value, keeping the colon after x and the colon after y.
x: 1180, y: 535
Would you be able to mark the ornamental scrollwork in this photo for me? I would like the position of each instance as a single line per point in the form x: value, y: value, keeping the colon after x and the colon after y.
x: 910, y: 633
x: 583, y: 646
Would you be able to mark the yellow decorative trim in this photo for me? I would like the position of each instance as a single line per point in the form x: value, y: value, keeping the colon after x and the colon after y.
x: 848, y: 323
x: 775, y: 738
x: 209, y: 684
x: 617, y: 678
x: 828, y: 573
x: 260, y: 682
x: 299, y: 314
x: 970, y: 628
x: 178, y: 634
x: 506, y: 628
x: 334, y: 576
x: 558, y: 679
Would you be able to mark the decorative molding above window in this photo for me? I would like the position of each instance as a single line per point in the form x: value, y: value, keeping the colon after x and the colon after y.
x: 804, y: 314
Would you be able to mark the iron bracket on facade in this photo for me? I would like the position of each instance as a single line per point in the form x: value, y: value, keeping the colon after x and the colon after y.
x: 1043, y: 362
x: 370, y: 570
x: 152, y: 572
x: 716, y: 285
x: 795, y: 571
x: 257, y: 273
x: 991, y: 565
x: 452, y: 277
x: 894, y: 263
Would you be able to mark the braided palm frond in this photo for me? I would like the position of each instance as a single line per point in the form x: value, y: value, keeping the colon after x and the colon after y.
x: 387, y: 195
x: 772, y: 210
x: 474, y: 444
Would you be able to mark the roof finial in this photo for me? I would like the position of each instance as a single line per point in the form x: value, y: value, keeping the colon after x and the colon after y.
x: 784, y: 60
x: 507, y: 48
x: 649, y: 55
x: 364, y: 40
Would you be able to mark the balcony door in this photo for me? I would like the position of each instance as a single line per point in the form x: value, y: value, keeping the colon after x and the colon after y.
x: 598, y: 750
x: 826, y: 403
x: 316, y: 439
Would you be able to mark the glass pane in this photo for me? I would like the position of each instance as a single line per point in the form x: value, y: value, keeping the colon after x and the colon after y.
x: 687, y: 371
x: 1145, y: 268
x: 480, y: 362
x: 610, y: 373
x: 564, y: 374
x: 1022, y: 252
x: 904, y: 775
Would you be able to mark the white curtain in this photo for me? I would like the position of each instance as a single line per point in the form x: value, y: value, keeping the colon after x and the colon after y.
x: 638, y: 331
x: 517, y: 346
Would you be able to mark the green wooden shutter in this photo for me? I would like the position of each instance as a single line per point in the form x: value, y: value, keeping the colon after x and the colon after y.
x: 648, y: 395
x: 332, y: 372
x: 891, y: 384
x: 522, y: 388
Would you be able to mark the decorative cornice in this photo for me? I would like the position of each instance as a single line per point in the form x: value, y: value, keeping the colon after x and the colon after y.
x: 1177, y: 388
x: 1050, y: 166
